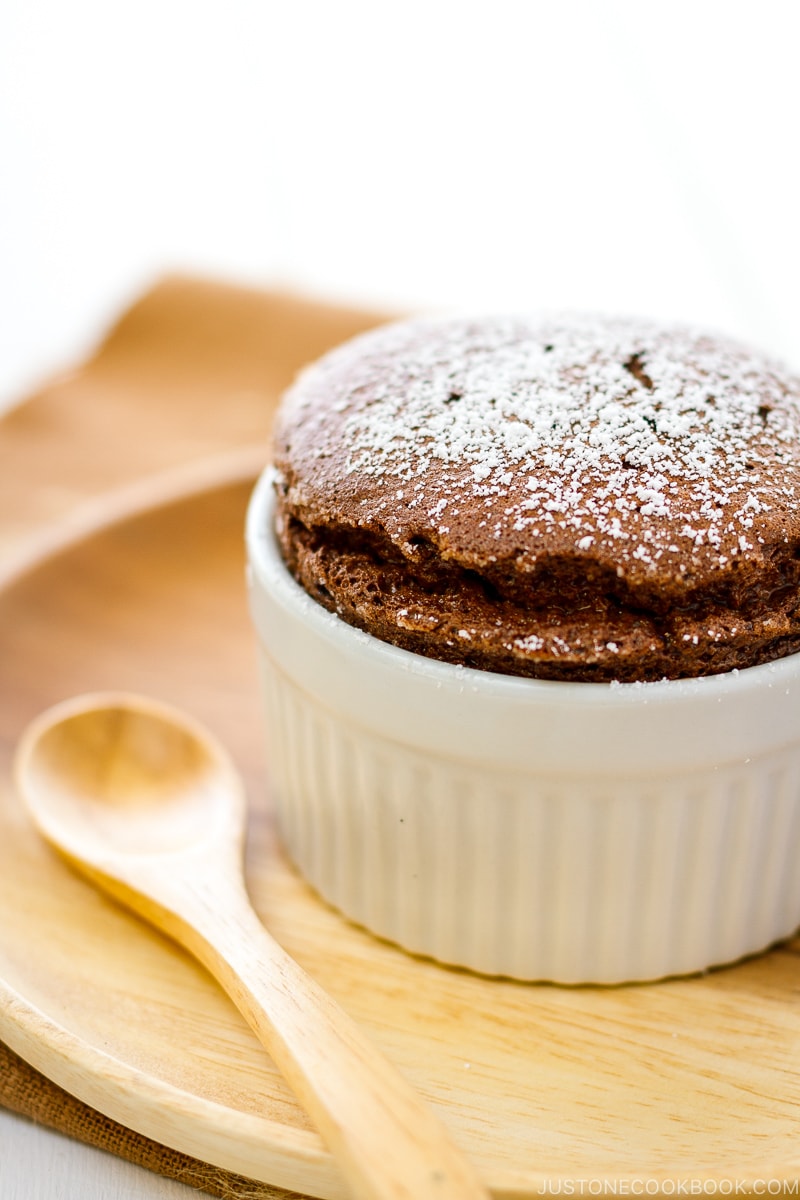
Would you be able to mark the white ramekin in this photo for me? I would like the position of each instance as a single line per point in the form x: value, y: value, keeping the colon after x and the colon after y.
x: 576, y: 833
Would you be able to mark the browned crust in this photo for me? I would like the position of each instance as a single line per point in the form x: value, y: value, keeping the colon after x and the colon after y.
x: 546, y: 600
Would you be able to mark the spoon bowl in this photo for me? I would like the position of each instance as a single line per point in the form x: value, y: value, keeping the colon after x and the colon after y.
x: 148, y: 805
x: 129, y: 779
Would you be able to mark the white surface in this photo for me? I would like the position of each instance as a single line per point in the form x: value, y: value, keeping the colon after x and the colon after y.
x: 37, y: 1164
x: 620, y: 156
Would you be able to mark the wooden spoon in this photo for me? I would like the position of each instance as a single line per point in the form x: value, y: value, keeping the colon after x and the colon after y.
x: 149, y: 806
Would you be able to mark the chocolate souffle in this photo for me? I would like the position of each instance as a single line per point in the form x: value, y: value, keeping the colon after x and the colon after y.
x: 575, y: 498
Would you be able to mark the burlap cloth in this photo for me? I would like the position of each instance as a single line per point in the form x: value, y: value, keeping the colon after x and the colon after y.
x: 25, y: 1091
x: 192, y: 371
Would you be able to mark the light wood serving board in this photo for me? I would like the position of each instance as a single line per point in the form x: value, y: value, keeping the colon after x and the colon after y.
x: 686, y: 1083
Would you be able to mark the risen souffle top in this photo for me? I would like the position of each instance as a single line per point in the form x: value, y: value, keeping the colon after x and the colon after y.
x: 574, y: 498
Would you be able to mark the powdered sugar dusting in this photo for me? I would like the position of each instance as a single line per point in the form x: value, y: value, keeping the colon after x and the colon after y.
x: 613, y: 433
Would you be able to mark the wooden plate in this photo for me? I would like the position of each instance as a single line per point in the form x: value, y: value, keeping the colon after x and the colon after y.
x: 691, y: 1080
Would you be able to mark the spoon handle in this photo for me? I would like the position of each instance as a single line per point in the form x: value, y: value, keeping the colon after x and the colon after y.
x: 387, y: 1141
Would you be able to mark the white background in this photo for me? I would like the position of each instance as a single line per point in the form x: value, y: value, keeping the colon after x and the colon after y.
x: 626, y: 156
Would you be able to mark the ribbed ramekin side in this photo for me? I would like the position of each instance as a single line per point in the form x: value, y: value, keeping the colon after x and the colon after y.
x: 569, y: 880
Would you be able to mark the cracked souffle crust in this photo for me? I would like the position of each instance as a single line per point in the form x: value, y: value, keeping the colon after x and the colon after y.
x: 575, y: 498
